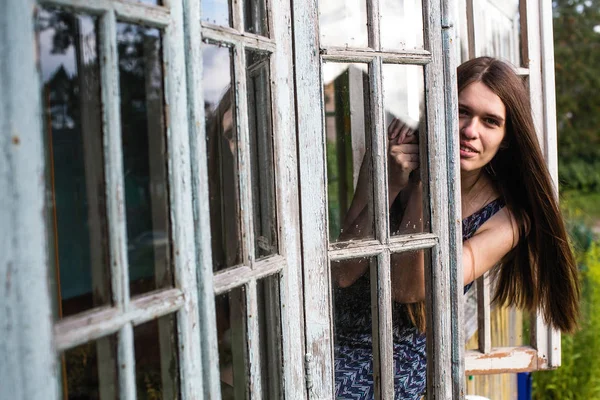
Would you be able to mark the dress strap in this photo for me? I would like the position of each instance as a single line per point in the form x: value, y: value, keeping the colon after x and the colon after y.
x: 475, y: 220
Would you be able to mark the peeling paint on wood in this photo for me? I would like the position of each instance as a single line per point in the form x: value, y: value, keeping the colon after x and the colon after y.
x: 28, y: 366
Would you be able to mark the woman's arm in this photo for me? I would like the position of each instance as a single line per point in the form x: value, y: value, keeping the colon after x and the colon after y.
x: 492, y: 241
x: 358, y: 222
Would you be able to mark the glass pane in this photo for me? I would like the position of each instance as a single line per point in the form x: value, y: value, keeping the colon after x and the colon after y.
x: 233, y: 351
x: 269, y: 319
x: 401, y: 24
x: 497, y: 28
x: 156, y: 360
x: 70, y: 73
x: 144, y: 158
x: 90, y: 371
x: 216, y: 12
x: 402, y: 100
x: 408, y: 321
x: 261, y: 154
x: 221, y: 145
x: 255, y: 17
x: 343, y: 23
x: 353, y: 334
x: 349, y: 166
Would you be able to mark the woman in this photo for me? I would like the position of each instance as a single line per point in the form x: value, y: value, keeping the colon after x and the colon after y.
x: 511, y: 225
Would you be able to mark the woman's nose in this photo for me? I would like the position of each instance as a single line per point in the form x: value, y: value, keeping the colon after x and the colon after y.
x: 469, y: 128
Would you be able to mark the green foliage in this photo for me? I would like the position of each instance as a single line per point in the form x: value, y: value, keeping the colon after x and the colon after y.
x: 579, y: 375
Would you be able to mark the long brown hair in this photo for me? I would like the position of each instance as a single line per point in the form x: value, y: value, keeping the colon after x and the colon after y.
x: 540, y: 273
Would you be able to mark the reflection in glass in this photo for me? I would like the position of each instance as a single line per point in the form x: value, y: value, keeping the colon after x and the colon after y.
x: 408, y: 320
x: 222, y: 154
x: 347, y: 123
x: 90, y: 371
x: 144, y: 158
x: 68, y: 53
x: 216, y: 12
x: 343, y: 23
x: 401, y: 25
x: 255, y: 17
x: 156, y: 361
x: 233, y: 351
x: 269, y: 319
x: 261, y: 153
x: 403, y: 87
x: 353, y: 326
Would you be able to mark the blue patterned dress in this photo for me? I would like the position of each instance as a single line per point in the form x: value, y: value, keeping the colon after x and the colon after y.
x: 353, y: 339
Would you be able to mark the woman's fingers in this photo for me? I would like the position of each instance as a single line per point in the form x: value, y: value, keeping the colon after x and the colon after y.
x: 404, y: 148
x: 393, y: 129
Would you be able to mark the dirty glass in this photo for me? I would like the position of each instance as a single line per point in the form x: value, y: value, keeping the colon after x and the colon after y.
x: 222, y: 155
x: 144, y: 144
x: 269, y: 320
x: 403, y: 97
x: 216, y: 12
x: 261, y: 153
x: 70, y: 75
x: 401, y: 25
x: 232, y: 330
x: 256, y: 17
x: 343, y: 23
x: 156, y: 360
x: 348, y: 141
x: 89, y: 371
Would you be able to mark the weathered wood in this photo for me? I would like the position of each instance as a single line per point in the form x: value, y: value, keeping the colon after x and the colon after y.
x: 103, y: 321
x: 287, y: 195
x: 412, y: 57
x: 126, y: 357
x: 238, y: 276
x: 448, y: 24
x: 223, y: 34
x: 550, y: 138
x: 437, y: 273
x: 370, y: 248
x: 483, y: 314
x: 181, y: 208
x: 502, y: 360
x: 319, y: 345
x: 126, y: 11
x: 113, y: 160
x: 254, y: 342
x: 28, y: 366
x: 383, y: 338
x: 199, y: 187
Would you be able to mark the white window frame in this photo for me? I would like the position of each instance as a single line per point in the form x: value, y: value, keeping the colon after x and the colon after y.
x: 535, y: 49
x: 443, y: 381
x: 287, y: 262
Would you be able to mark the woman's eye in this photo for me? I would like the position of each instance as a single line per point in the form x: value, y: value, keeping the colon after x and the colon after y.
x: 462, y: 111
x: 492, y: 121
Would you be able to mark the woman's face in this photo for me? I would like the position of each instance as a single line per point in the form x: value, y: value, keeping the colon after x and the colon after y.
x: 482, y: 122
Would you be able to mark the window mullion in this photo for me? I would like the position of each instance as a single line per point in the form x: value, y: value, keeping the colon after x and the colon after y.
x: 437, y: 272
x: 237, y: 11
x: 126, y: 357
x: 244, y: 158
x: 254, y: 356
x: 181, y: 209
x: 115, y: 197
x: 28, y: 369
x: 373, y: 18
x: 199, y: 186
x: 383, y: 338
x: 483, y: 314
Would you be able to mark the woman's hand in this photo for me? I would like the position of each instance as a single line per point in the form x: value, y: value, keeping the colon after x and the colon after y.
x: 403, y: 155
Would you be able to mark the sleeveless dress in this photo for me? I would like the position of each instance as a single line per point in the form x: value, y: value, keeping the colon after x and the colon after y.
x: 353, y: 338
